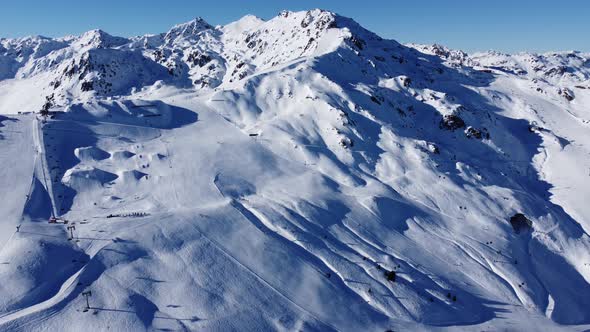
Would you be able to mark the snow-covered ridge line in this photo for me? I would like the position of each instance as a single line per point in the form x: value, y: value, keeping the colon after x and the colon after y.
x: 199, y: 56
x: 573, y: 65
x: 194, y: 54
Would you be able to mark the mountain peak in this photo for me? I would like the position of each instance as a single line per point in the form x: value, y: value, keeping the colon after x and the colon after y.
x: 188, y: 29
x: 245, y: 23
x: 98, y: 38
x: 319, y: 20
x: 308, y: 15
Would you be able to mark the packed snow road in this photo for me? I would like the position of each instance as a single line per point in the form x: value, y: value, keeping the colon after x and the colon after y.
x: 17, y: 152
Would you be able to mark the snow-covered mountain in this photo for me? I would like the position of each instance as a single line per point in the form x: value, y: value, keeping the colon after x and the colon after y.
x: 300, y: 173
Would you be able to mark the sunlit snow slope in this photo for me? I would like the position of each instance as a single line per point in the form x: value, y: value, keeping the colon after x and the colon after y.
x: 300, y: 173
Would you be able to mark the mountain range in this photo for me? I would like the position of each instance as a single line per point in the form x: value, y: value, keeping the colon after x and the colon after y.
x: 300, y: 173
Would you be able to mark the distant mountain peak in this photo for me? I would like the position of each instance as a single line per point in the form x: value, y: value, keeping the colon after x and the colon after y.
x: 188, y: 29
x: 98, y: 38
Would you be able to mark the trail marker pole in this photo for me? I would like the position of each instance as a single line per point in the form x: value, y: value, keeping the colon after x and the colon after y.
x: 87, y: 294
x: 71, y: 229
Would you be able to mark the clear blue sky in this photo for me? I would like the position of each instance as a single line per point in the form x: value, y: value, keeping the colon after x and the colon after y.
x: 509, y: 26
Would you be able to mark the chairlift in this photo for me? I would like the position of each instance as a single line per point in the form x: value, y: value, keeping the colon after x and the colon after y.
x: 58, y: 220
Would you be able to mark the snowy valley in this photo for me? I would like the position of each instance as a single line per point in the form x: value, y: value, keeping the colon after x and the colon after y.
x: 299, y: 173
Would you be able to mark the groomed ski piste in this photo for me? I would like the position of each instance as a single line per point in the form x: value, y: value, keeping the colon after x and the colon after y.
x: 299, y: 173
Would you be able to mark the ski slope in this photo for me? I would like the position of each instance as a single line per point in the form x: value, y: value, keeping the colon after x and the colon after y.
x: 271, y: 175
